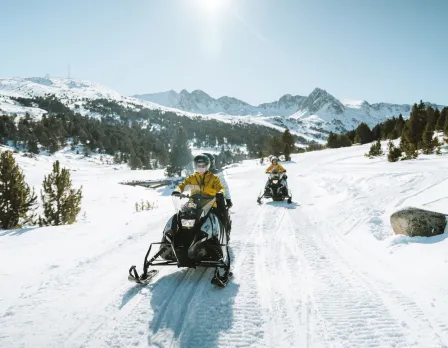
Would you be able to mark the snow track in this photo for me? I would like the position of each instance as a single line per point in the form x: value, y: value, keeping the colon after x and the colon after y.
x: 318, y: 273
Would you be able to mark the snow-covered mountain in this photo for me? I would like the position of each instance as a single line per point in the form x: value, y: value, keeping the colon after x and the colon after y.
x: 310, y: 117
x: 200, y: 102
x: 320, y: 110
x: 73, y: 93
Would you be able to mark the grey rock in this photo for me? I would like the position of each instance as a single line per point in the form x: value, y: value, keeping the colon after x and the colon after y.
x: 418, y: 222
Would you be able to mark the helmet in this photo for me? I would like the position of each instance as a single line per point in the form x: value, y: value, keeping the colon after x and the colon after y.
x: 274, y: 158
x: 201, y: 163
x: 212, y: 160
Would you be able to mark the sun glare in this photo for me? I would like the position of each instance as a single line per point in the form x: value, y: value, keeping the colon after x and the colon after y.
x: 213, y: 6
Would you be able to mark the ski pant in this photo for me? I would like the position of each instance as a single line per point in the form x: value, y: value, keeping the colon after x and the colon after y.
x: 223, y: 213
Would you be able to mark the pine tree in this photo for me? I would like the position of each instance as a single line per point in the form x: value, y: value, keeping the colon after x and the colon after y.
x: 135, y: 162
x: 394, y: 152
x: 444, y: 114
x: 375, y: 149
x: 332, y: 141
x: 16, y: 198
x: 61, y: 202
x: 428, y: 143
x: 32, y: 146
x: 288, y: 140
x: 431, y: 116
x: 440, y: 121
x: 364, y: 133
x: 398, y: 129
x: 287, y: 152
x: 180, y: 155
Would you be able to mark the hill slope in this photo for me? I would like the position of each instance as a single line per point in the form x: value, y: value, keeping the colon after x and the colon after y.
x: 325, y: 271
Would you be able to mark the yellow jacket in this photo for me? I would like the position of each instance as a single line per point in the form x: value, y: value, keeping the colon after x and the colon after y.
x: 208, y: 182
x: 277, y: 166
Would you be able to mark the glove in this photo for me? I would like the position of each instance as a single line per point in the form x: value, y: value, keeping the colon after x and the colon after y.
x: 175, y: 193
x: 229, y: 203
x: 219, y: 195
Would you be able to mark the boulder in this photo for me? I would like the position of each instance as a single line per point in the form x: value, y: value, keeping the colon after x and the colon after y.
x: 418, y: 222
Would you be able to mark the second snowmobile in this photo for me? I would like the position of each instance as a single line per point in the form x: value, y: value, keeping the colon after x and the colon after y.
x: 193, y: 237
x: 276, y: 188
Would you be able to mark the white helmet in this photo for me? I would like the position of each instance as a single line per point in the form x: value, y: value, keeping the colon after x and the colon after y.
x: 274, y: 158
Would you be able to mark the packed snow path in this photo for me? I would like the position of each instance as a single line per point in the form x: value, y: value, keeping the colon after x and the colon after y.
x: 321, y: 272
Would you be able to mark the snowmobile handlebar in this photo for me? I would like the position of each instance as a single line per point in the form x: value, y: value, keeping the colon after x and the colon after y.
x: 182, y: 195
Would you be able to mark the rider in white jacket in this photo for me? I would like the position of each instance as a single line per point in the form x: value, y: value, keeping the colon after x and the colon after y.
x: 222, y: 178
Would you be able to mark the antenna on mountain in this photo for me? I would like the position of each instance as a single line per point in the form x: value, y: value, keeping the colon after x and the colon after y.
x: 68, y: 71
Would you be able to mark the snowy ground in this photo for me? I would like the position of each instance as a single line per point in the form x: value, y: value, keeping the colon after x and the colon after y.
x: 325, y: 271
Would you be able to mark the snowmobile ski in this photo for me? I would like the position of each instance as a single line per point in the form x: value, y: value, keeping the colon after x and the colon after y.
x: 221, y: 281
x: 144, y: 278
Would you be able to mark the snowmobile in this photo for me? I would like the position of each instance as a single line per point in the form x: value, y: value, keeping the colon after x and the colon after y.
x: 193, y: 237
x: 275, y: 188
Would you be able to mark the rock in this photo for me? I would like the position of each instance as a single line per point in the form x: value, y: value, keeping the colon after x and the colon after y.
x: 418, y: 222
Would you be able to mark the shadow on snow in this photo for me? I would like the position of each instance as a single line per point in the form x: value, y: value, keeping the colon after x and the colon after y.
x: 16, y: 232
x: 186, y: 304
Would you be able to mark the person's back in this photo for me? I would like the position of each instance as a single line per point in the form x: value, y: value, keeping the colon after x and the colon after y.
x: 275, y: 166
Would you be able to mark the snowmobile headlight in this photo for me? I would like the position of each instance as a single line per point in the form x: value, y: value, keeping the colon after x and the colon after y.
x: 275, y: 181
x: 188, y: 223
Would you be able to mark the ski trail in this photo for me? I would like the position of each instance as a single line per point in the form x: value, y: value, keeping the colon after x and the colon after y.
x: 352, y: 310
x: 280, y: 288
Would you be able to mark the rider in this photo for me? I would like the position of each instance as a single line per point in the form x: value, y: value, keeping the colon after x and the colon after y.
x: 220, y: 175
x: 208, y: 182
x: 274, y: 165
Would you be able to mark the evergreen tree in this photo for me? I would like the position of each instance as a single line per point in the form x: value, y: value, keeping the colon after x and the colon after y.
x: 332, y: 141
x: 418, y: 122
x: 16, y: 198
x: 287, y: 152
x: 288, y: 140
x: 407, y: 144
x: 375, y: 149
x: 180, y: 155
x: 364, y: 133
x: 428, y: 143
x: 276, y: 145
x: 61, y: 202
x: 394, y: 152
x: 440, y: 121
x: 444, y: 114
x: 135, y: 162
x: 398, y: 129
x: 431, y: 117
x: 413, y: 131
x: 32, y: 146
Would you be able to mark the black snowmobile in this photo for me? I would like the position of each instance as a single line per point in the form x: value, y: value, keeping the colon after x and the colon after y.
x: 193, y: 237
x: 275, y: 188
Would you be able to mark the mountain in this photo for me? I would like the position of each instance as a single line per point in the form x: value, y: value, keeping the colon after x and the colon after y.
x: 73, y: 93
x: 200, y: 102
x: 311, y: 117
x: 314, y: 115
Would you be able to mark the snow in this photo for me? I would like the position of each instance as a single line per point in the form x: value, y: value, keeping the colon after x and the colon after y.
x: 325, y: 271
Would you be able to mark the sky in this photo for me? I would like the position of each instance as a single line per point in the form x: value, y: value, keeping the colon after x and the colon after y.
x: 255, y: 50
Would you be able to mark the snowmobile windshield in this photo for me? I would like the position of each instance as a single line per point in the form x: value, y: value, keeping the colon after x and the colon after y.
x: 192, y: 203
x: 275, y: 174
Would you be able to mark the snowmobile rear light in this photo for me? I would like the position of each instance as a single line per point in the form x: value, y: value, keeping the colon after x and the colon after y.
x: 188, y: 223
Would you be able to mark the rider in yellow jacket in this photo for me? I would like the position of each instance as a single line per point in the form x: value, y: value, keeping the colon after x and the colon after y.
x: 275, y: 165
x: 208, y: 183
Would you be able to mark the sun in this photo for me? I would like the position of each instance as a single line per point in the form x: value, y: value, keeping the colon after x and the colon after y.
x: 213, y: 6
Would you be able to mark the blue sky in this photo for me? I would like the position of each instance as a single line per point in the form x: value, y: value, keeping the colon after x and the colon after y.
x: 255, y: 50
